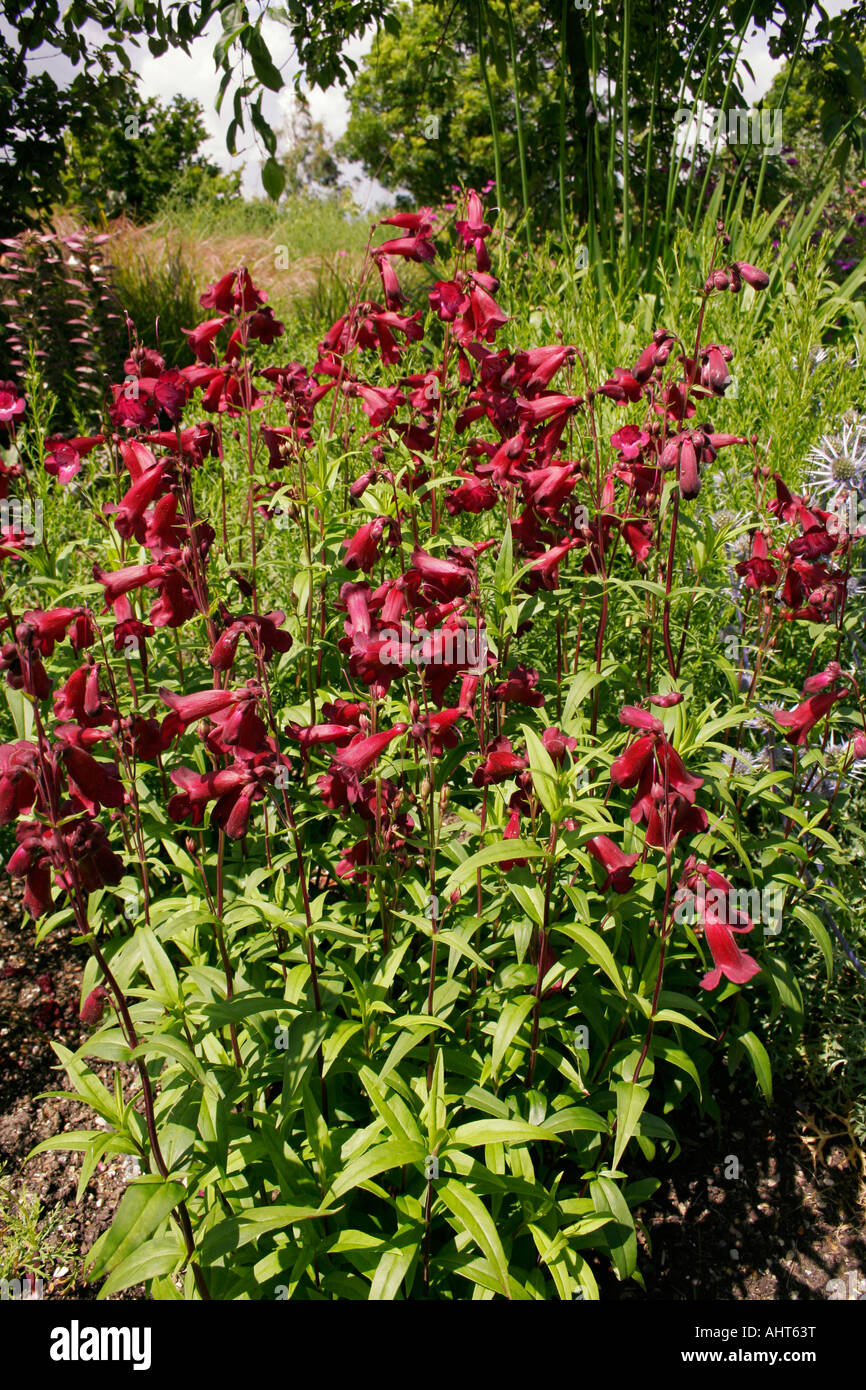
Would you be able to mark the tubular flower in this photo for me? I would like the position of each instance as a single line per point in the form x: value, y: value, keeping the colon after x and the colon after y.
x: 616, y: 864
x: 720, y: 919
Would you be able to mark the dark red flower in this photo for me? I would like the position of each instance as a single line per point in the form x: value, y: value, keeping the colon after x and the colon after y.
x: 129, y: 512
x: 759, y: 571
x: 716, y: 915
x: 519, y: 688
x: 11, y: 404
x: 442, y: 579
x: 800, y: 721
x: 201, y: 338
x: 362, y: 549
x: 557, y: 743
x: 95, y: 783
x: 616, y: 864
x: 19, y: 763
x: 94, y: 1006
x: 758, y: 279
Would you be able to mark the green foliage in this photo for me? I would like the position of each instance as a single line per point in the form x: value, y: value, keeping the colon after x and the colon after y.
x: 419, y: 116
x: 34, y: 114
x: 825, y: 106
x: 32, y: 1245
x: 375, y: 1098
x: 308, y: 161
x: 597, y: 157
x: 161, y: 295
x: 136, y: 156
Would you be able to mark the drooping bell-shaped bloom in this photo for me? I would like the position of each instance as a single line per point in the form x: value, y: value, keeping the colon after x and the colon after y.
x: 94, y: 1006
x: 361, y: 754
x: 129, y: 512
x: 314, y: 735
x: 95, y: 782
x: 362, y: 549
x: 758, y: 279
x: 442, y: 579
x: 626, y: 770
x: 616, y: 864
x: 519, y: 688
x: 802, y: 719
x: 19, y: 763
x: 201, y: 338
x: 759, y: 571
x: 636, y: 718
x: 500, y: 763
x: 720, y: 918
x: 557, y: 743
x: 188, y: 709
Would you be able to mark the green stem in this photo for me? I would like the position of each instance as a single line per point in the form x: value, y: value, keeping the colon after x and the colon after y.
x: 518, y: 113
x: 562, y: 90
x: 491, y: 106
x: 807, y: 10
x: 624, y: 94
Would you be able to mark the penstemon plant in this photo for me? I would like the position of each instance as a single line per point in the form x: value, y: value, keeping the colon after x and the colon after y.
x: 430, y: 841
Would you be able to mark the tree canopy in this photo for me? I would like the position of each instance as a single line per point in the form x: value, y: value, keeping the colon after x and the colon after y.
x: 142, y: 153
x: 431, y: 99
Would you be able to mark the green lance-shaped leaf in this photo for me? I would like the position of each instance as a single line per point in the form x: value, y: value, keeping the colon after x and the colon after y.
x: 394, y: 1153
x: 509, y: 1025
x: 472, y: 1216
x: 621, y: 1239
x: 143, y: 1207
x: 545, y: 779
x: 162, y: 1255
x: 273, y: 177
x: 464, y: 874
x: 597, y: 949
x: 760, y: 1060
x: 630, y: 1101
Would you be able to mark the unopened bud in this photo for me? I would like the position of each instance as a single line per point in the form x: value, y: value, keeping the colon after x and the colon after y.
x: 94, y: 1006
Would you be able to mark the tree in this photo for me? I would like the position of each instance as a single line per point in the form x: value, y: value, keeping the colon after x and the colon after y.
x: 141, y: 153
x: 308, y: 159
x: 34, y: 114
x: 96, y: 35
x: 825, y: 107
x: 419, y: 112
x: 597, y: 97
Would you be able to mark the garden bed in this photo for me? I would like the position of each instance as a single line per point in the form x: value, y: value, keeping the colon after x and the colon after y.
x: 794, y: 1220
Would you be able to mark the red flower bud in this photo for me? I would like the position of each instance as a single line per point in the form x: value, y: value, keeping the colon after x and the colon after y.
x: 758, y: 279
x: 94, y: 1006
